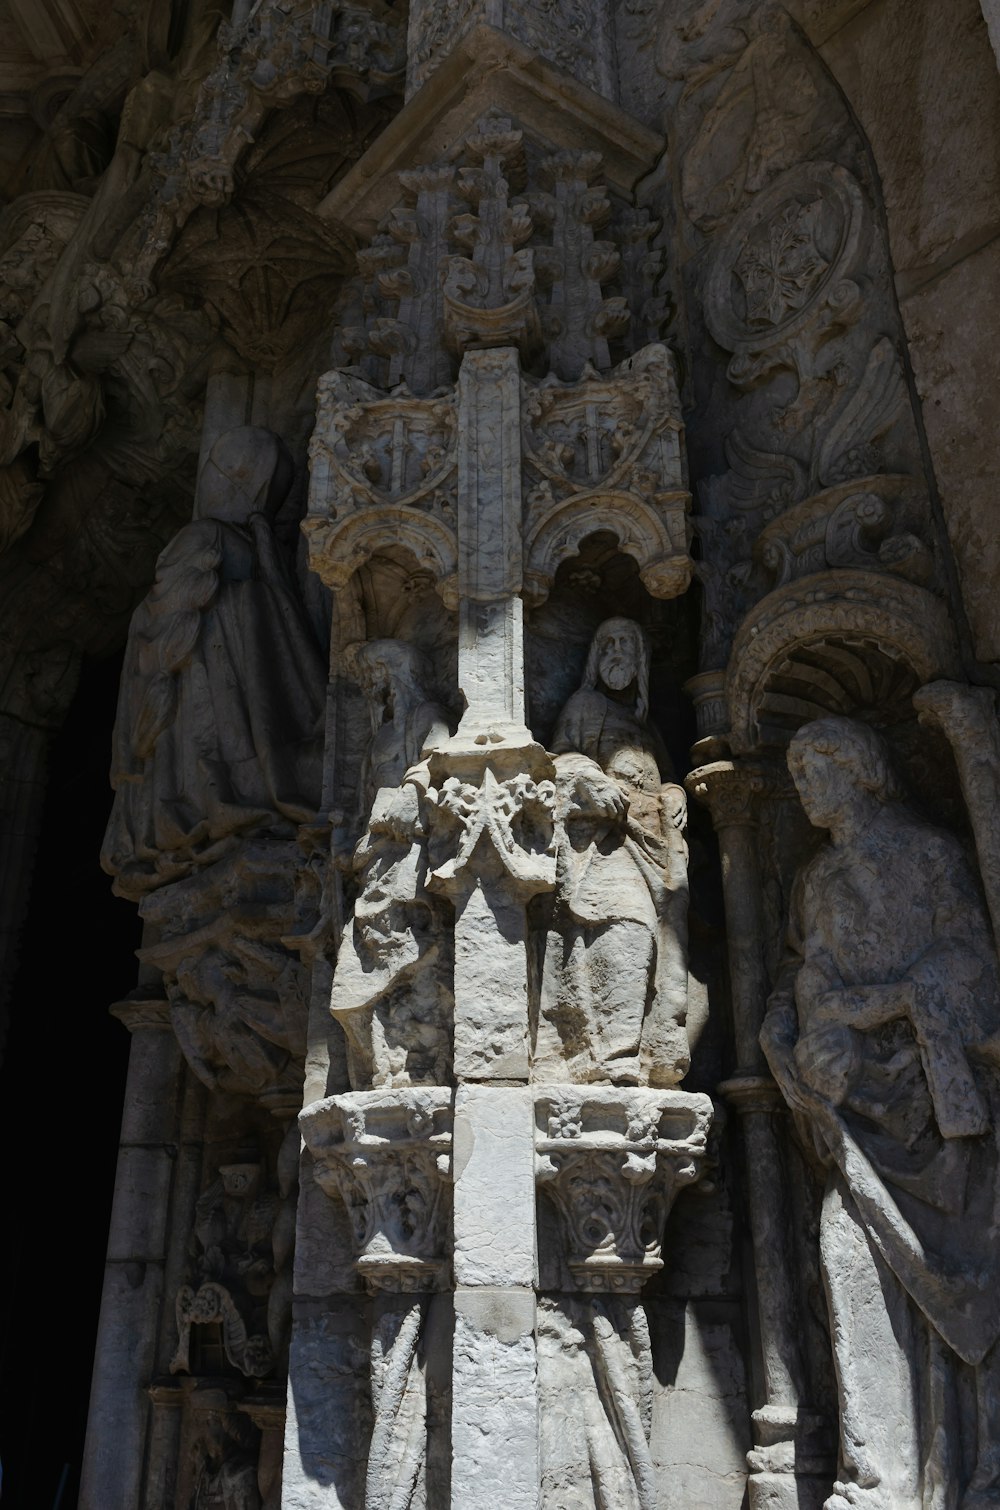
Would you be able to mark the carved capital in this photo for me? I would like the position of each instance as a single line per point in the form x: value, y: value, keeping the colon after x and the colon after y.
x: 612, y: 1161
x: 729, y: 790
x: 387, y: 1156
x: 147, y: 1012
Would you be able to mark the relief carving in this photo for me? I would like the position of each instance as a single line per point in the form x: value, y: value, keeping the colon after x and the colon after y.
x: 240, y: 1249
x: 392, y: 982
x: 611, y: 1163
x: 614, y: 979
x: 882, y: 1034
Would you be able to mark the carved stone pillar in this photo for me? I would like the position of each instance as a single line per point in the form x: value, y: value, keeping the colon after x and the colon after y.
x: 784, y: 1463
x: 269, y: 1418
x: 491, y: 849
x: 137, y: 1249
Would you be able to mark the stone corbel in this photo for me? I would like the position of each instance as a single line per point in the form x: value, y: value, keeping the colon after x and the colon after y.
x: 387, y: 1156
x: 612, y: 1161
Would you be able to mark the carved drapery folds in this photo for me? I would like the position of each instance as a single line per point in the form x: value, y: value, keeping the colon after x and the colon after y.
x: 217, y: 762
x: 441, y: 874
x: 520, y: 914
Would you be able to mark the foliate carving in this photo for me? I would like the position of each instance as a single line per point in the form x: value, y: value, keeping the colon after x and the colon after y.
x: 579, y: 320
x: 238, y: 996
x: 384, y: 473
x: 729, y: 790
x: 850, y: 525
x: 883, y: 1034
x: 783, y: 275
x: 279, y: 53
x: 387, y: 1156
x: 642, y: 274
x: 503, y: 825
x: 234, y: 1223
x: 458, y: 262
x: 607, y: 452
x: 489, y: 295
x: 612, y: 1162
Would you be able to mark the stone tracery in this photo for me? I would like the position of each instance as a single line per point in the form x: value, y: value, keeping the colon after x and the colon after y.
x: 438, y: 891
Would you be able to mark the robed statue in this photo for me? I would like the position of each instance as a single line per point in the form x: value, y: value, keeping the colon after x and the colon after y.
x: 614, y: 979
x: 881, y: 1033
x: 219, y: 727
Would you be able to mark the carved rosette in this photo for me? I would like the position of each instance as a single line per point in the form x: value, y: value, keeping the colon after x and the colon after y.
x: 785, y: 271
x: 611, y: 1161
x: 387, y: 1156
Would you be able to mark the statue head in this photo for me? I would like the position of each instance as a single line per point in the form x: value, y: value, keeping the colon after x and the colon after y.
x: 619, y: 658
x: 248, y: 471
x: 839, y: 766
x: 393, y: 675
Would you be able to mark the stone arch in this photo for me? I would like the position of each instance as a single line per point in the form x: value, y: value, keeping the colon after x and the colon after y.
x: 337, y: 548
x: 653, y: 534
x: 835, y: 642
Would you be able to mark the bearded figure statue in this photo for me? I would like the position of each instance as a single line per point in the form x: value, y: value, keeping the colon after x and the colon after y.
x: 613, y: 1001
x: 882, y: 1033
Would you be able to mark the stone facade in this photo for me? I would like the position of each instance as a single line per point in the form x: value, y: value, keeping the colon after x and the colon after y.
x: 535, y: 460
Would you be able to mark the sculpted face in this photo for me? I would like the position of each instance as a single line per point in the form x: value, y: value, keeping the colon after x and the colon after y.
x: 618, y: 662
x: 827, y: 788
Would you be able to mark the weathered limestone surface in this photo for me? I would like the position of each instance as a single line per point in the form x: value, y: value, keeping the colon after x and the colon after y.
x: 486, y: 429
x: 882, y: 1034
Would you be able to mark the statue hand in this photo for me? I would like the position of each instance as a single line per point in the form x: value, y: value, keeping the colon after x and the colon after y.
x: 673, y: 804
x: 594, y: 795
